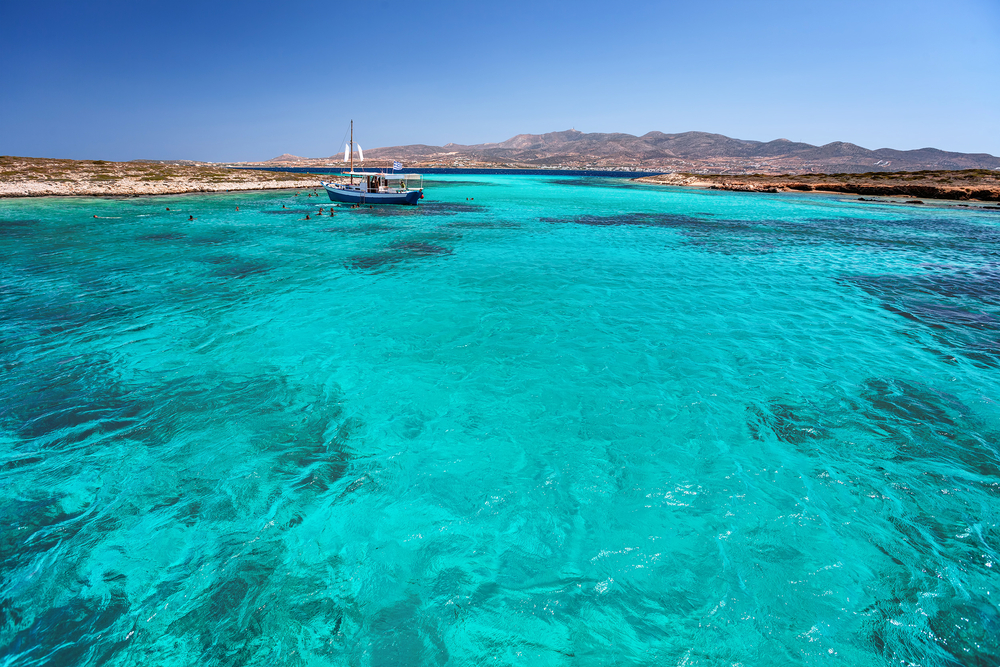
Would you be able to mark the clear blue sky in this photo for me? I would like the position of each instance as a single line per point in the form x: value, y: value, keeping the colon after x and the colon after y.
x: 250, y: 80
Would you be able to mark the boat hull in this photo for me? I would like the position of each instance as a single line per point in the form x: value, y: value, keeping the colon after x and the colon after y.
x: 355, y: 197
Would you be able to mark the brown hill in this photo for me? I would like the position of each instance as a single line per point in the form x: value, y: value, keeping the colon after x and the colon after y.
x: 688, y: 151
x: 285, y: 157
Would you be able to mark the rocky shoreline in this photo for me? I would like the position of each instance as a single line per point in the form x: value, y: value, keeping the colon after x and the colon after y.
x: 974, y: 185
x: 40, y: 177
x: 133, y: 188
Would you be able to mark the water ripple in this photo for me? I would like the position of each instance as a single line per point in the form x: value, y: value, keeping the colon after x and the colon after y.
x: 519, y: 422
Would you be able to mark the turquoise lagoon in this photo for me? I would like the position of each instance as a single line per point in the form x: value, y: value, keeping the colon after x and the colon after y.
x: 532, y: 421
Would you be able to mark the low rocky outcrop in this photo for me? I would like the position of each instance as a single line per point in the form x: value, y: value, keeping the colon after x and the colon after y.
x: 40, y: 177
x: 966, y: 185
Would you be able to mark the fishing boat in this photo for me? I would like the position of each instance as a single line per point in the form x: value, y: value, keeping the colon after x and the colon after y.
x: 372, y: 187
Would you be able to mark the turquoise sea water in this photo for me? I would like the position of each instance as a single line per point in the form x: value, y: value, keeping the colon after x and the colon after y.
x: 569, y: 422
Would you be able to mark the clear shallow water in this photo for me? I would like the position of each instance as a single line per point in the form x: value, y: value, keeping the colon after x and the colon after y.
x: 571, y: 422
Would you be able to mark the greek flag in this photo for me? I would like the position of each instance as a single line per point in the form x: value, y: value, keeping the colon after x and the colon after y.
x: 396, y: 166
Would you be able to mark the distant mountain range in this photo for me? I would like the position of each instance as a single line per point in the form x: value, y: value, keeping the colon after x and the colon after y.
x: 699, y: 152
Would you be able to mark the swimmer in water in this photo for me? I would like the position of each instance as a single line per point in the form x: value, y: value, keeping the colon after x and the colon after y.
x: 190, y: 217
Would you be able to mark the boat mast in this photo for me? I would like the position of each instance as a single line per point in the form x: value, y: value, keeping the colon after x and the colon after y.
x: 352, y: 150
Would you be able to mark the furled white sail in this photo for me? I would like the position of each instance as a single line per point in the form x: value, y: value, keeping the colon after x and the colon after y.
x: 347, y: 153
x: 361, y: 155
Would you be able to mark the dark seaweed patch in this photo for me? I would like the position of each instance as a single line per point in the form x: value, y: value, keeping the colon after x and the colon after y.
x: 374, y: 262
x: 68, y: 402
x: 912, y: 421
x: 217, y: 621
x: 960, y: 310
x: 399, y: 252
x: 162, y: 236
x: 59, y: 317
x: 404, y: 637
x: 242, y: 269
x: 32, y: 527
x: 22, y: 462
x: 222, y: 259
x: 948, y: 234
x: 981, y: 284
x: 629, y: 219
x: 217, y: 237
x: 46, y: 313
x: 906, y: 402
x: 449, y: 208
x: 69, y: 634
x: 483, y: 224
x: 904, y: 234
x: 10, y: 615
x: 420, y: 249
x: 783, y: 421
x: 432, y: 208
x: 367, y: 228
x: 724, y: 236
x: 969, y: 630
x: 925, y: 424
x: 316, y: 464
x: 234, y: 622
x: 879, y: 625
x: 17, y: 228
x: 691, y: 226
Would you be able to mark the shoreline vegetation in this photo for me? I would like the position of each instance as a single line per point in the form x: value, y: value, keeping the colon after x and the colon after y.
x: 976, y: 185
x: 43, y: 177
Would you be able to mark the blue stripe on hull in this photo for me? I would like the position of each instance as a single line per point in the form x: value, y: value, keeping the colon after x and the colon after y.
x: 349, y: 197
